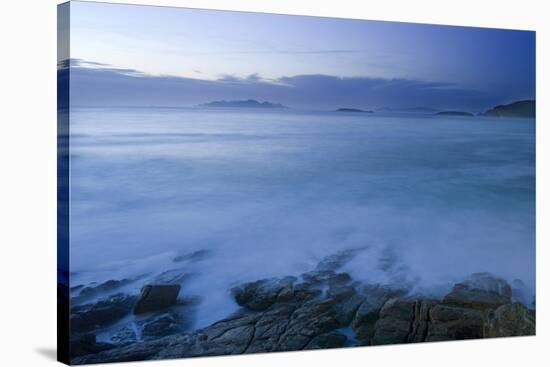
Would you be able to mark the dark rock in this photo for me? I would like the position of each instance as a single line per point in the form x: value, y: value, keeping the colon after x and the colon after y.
x: 510, y: 320
x: 163, y: 325
x: 454, y: 323
x: 368, y: 312
x: 280, y: 314
x: 337, y: 260
x: 480, y: 291
x: 421, y: 321
x: 92, y: 291
x: 263, y: 293
x: 394, y: 324
x: 104, y: 312
x: 156, y: 297
x: 195, y: 256
x: 172, y: 277
x: 327, y: 340
x: 87, y: 344
x: 124, y: 336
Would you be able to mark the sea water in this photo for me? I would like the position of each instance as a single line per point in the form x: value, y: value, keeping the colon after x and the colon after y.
x: 267, y: 193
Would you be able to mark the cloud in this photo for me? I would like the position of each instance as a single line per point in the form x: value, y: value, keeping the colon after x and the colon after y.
x: 95, y: 85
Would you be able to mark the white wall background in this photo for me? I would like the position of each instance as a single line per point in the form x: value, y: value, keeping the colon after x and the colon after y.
x: 28, y: 182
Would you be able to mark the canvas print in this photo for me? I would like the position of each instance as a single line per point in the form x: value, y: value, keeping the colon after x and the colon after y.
x: 234, y: 183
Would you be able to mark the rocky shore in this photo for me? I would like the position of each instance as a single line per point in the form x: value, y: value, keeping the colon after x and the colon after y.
x: 322, y: 308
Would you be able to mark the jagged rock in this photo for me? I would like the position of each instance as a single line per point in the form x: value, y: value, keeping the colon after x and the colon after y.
x: 92, y: 291
x: 282, y: 314
x: 454, y: 323
x: 156, y: 297
x: 124, y: 336
x: 163, y: 325
x: 394, y: 324
x: 510, y: 320
x: 367, y: 313
x: 263, y: 293
x: 195, y: 256
x: 327, y: 340
x: 104, y: 312
x: 421, y: 321
x: 87, y: 344
x: 172, y: 277
x: 481, y: 291
x: 337, y: 260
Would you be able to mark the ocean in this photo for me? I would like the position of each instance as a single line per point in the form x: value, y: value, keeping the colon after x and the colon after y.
x: 263, y: 193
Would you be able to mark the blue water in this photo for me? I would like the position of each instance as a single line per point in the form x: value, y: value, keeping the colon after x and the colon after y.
x: 432, y: 199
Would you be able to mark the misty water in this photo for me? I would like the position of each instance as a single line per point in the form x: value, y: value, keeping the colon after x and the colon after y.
x: 271, y: 192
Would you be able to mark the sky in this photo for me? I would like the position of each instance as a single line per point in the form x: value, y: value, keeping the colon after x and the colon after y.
x: 147, y: 55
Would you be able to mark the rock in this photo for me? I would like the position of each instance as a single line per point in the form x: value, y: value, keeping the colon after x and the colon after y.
x: 323, y: 311
x: 367, y: 313
x: 124, y: 336
x: 93, y: 291
x: 87, y: 344
x: 195, y: 256
x: 156, y: 297
x: 172, y: 277
x: 394, y: 324
x: 489, y: 283
x: 104, y: 312
x: 261, y: 294
x: 510, y: 320
x: 454, y: 323
x: 421, y: 321
x: 327, y: 340
x: 163, y: 325
x: 337, y: 260
x: 481, y: 291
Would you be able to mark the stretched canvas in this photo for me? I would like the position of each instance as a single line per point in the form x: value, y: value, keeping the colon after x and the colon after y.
x: 234, y: 183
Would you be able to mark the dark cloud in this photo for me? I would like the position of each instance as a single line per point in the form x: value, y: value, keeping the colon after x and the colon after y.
x: 107, y: 86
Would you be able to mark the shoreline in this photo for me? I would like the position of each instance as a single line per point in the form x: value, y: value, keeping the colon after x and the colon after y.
x: 322, y: 308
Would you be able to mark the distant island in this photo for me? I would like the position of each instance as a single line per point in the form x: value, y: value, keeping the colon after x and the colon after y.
x: 525, y: 108
x: 352, y: 110
x: 409, y: 109
x: 453, y: 113
x: 249, y: 103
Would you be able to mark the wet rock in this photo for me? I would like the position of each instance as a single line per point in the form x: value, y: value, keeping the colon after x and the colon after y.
x: 337, y: 260
x: 454, y: 323
x: 394, y: 323
x: 327, y: 340
x: 87, y: 344
x: 163, y: 325
x: 195, y: 256
x: 421, y: 321
x: 367, y: 313
x: 261, y: 294
x: 156, y: 297
x: 310, y: 319
x: 481, y: 291
x: 124, y: 336
x: 172, y: 277
x: 92, y: 291
x: 104, y: 312
x: 510, y: 320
